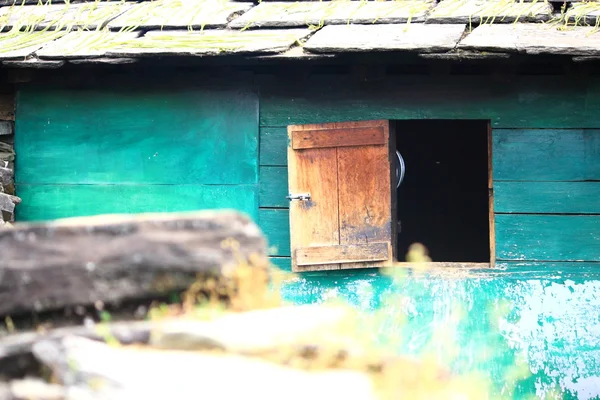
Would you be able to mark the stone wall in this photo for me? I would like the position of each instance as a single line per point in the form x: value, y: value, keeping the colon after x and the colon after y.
x: 8, y: 200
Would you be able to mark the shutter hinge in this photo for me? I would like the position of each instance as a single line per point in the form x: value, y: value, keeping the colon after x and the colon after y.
x: 299, y: 196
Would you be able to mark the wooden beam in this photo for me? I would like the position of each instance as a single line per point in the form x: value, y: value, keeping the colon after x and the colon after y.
x: 362, y: 136
x: 323, y: 255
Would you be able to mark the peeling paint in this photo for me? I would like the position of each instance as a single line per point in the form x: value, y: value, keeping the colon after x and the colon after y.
x: 551, y: 318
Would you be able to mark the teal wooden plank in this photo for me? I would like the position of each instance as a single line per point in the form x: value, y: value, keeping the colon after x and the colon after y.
x: 47, y: 202
x: 276, y: 226
x: 515, y: 102
x: 547, y: 197
x: 548, y: 237
x: 546, y: 154
x: 273, y: 146
x: 551, y: 319
x: 283, y: 263
x: 177, y: 136
x: 273, y: 182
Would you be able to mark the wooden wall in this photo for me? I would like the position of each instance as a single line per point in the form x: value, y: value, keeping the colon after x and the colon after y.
x: 546, y: 149
x: 182, y: 146
x: 119, y: 150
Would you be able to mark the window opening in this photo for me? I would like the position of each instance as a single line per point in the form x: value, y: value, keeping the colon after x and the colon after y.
x: 443, y: 196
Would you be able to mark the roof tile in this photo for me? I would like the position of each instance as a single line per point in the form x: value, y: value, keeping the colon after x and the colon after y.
x: 534, y: 39
x: 489, y: 11
x: 210, y: 42
x: 196, y: 14
x: 82, y: 44
x: 23, y: 44
x: 587, y: 13
x: 62, y: 16
x: 306, y: 13
x: 413, y: 37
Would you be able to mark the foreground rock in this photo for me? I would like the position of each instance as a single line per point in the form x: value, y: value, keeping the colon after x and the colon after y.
x: 31, y: 389
x: 251, y: 333
x: 80, y: 261
x: 313, y: 351
x: 89, y: 368
x: 256, y: 333
x: 264, y: 331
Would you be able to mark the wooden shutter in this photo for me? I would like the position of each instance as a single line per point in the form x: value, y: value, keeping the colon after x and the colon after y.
x: 347, y: 222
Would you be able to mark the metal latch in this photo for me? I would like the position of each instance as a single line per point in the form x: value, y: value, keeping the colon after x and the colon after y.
x: 299, y: 196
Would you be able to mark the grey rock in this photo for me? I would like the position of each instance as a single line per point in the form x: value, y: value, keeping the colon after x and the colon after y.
x: 108, y: 61
x: 19, y: 345
x: 35, y: 389
x: 533, y: 39
x: 5, y: 147
x: 179, y: 15
x: 8, y: 202
x: 489, y: 11
x: 112, y: 258
x: 7, y: 128
x: 6, y: 176
x: 257, y: 332
x: 125, y: 374
x: 302, y: 14
x: 34, y: 62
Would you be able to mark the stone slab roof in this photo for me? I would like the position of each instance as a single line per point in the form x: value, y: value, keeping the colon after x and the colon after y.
x: 122, y: 31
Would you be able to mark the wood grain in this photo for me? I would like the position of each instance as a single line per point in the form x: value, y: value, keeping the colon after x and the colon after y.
x: 273, y: 146
x: 548, y: 237
x: 313, y: 222
x: 548, y: 197
x: 276, y: 226
x: 321, y: 138
x: 283, y: 263
x: 273, y: 183
x: 546, y: 154
x: 112, y: 135
x: 491, y: 194
x: 508, y: 102
x: 344, y: 253
x: 365, y: 194
x: 47, y: 202
x: 351, y: 203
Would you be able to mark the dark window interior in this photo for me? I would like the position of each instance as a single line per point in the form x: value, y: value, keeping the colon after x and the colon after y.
x: 443, y: 200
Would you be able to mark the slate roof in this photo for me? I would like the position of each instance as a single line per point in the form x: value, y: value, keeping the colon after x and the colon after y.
x: 123, y: 31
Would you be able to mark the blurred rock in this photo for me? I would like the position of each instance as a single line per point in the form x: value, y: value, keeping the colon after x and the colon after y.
x: 86, y: 367
x: 111, y: 258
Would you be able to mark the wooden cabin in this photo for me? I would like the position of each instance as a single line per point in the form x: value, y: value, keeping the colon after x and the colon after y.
x: 349, y: 130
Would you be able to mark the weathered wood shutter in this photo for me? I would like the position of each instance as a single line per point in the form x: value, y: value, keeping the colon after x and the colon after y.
x: 347, y: 222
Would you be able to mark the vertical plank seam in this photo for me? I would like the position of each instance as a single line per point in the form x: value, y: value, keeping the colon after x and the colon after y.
x: 337, y: 177
x: 491, y: 213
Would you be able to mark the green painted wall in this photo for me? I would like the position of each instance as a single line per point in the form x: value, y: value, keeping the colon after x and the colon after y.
x: 552, y: 320
x: 184, y: 147
x: 107, y: 150
x: 546, y: 167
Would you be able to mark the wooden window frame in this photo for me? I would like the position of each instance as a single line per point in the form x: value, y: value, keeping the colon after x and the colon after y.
x: 304, y: 260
